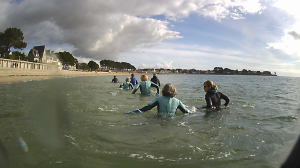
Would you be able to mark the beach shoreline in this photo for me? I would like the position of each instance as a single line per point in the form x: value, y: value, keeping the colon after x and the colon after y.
x: 8, y: 75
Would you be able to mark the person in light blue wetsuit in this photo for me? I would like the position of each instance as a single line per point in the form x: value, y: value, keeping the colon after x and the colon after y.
x: 166, y: 104
x: 145, y: 86
x: 127, y: 85
x: 133, y: 80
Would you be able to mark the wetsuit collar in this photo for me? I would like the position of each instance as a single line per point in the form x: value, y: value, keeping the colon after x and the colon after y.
x: 214, y: 91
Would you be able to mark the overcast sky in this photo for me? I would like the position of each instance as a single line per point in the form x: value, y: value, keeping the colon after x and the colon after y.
x: 201, y: 34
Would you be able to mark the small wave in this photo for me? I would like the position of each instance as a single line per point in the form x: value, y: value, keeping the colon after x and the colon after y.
x: 249, y: 105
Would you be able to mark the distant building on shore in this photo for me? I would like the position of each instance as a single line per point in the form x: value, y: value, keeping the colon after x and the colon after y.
x: 38, y: 54
x: 41, y: 55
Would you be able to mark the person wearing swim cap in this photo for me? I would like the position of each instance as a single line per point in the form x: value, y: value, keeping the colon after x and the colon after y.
x: 166, y: 104
x: 133, y: 80
x: 213, y: 96
x: 145, y: 86
x: 155, y: 80
x: 127, y: 85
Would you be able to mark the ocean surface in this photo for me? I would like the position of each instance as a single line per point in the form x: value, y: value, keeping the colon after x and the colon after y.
x: 80, y: 122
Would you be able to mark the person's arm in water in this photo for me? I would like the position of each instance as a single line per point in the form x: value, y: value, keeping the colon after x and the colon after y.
x: 121, y: 85
x: 182, y: 108
x: 155, y: 85
x: 136, y: 88
x: 150, y: 105
x: 145, y: 108
x: 222, y: 96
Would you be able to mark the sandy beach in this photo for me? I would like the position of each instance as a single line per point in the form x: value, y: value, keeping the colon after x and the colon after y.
x: 10, y: 75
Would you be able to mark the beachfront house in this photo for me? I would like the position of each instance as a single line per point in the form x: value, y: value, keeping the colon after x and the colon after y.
x: 51, y: 57
x: 38, y: 54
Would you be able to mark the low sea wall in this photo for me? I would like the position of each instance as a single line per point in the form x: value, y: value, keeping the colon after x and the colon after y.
x: 20, y: 64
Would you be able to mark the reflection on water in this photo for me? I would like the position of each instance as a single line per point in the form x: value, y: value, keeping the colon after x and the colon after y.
x: 80, y: 122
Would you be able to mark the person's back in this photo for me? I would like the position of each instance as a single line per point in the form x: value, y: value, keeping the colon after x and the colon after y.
x: 145, y: 86
x: 168, y: 105
x: 127, y: 85
x: 155, y: 80
x: 133, y: 80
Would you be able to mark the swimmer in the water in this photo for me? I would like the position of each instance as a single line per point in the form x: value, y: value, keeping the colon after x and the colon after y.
x: 213, y: 96
x: 145, y: 86
x: 133, y: 80
x: 115, y: 80
x: 166, y: 104
x: 127, y: 84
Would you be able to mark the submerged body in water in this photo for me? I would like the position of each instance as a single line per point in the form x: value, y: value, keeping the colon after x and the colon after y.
x: 258, y: 129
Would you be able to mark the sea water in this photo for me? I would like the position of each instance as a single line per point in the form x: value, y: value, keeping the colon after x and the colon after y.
x: 80, y: 122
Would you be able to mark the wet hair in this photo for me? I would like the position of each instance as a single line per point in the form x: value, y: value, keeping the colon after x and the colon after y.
x: 132, y: 75
x: 169, y: 90
x: 144, y: 78
x: 154, y: 74
x: 128, y: 79
x: 115, y: 76
x: 210, y: 83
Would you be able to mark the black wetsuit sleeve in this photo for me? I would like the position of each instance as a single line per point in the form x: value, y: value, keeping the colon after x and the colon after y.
x: 130, y: 85
x: 182, y: 108
x: 155, y: 85
x: 150, y: 105
x: 208, y: 102
x: 222, y: 96
x: 136, y: 88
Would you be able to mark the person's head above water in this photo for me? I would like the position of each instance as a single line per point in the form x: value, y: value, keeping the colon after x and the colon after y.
x: 115, y: 76
x: 169, y: 90
x: 144, y: 78
x: 209, y: 85
x: 154, y: 74
x: 128, y: 79
x: 132, y: 75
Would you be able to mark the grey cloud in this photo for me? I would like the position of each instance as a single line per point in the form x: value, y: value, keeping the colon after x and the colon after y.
x: 100, y: 28
x: 295, y: 35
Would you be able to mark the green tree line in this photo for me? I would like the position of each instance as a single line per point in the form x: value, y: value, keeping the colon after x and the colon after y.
x: 116, y: 65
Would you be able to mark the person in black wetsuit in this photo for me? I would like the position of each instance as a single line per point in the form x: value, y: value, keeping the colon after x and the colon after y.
x: 213, y: 97
x: 155, y: 80
x: 115, y: 80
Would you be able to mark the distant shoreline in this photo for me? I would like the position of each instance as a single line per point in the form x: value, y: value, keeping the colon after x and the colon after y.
x: 11, y: 75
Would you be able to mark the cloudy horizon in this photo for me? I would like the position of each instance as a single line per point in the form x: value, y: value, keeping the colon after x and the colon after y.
x: 200, y: 34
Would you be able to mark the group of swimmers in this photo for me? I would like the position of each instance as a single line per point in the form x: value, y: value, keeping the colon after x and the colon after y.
x: 167, y: 104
